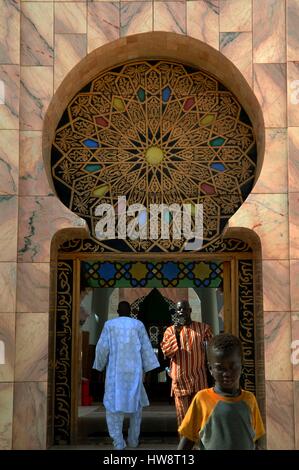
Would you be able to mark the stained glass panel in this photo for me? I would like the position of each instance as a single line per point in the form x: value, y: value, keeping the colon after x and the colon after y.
x: 155, y: 132
x: 152, y: 274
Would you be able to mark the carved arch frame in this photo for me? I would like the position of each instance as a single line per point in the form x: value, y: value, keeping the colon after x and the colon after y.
x: 245, y: 264
x: 240, y: 253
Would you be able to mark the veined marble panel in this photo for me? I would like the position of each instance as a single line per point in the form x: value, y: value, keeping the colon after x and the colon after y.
x: 8, y: 280
x: 36, y: 93
x: 33, y: 178
x: 39, y: 219
x: 203, y: 21
x: 135, y: 17
x: 292, y: 29
x: 294, y: 279
x: 32, y: 331
x: 10, y: 32
x: 6, y: 415
x: 235, y: 15
x: 277, y: 334
x: 276, y: 285
x: 293, y: 134
x: 30, y: 413
x: 266, y: 215
x: 170, y: 16
x: 70, y: 17
x: 293, y: 93
x: 9, y: 161
x: 269, y: 41
x: 8, y: 227
x: 280, y: 415
x: 274, y: 175
x: 237, y: 47
x: 33, y: 287
x: 294, y: 225
x: 37, y: 33
x: 7, y: 356
x: 103, y: 24
x: 9, y: 96
x: 270, y: 90
x: 69, y: 50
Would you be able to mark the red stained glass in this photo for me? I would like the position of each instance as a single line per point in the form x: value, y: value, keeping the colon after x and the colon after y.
x: 101, y: 121
x: 207, y: 188
x: 189, y: 103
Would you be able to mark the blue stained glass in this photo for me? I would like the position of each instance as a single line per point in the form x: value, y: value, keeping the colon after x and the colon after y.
x: 166, y: 92
x: 141, y: 94
x: 107, y: 271
x: 92, y: 167
x: 217, y: 142
x: 170, y: 270
x: 218, y: 166
x: 93, y: 144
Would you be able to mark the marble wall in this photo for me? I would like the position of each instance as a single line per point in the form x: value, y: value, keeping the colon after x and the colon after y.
x: 40, y: 42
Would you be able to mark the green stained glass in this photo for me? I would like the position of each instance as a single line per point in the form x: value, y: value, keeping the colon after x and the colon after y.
x: 92, y: 167
x: 141, y: 94
x: 217, y: 142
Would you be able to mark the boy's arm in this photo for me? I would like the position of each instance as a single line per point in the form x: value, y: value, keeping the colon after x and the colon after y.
x: 191, y: 424
x: 185, y: 444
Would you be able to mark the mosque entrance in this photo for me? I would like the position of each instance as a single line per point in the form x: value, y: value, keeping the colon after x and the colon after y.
x: 89, y: 287
x: 151, y: 132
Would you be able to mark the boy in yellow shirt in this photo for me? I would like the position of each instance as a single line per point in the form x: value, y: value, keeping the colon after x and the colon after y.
x: 225, y: 416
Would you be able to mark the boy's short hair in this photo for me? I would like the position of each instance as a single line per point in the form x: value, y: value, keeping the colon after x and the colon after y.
x: 225, y: 343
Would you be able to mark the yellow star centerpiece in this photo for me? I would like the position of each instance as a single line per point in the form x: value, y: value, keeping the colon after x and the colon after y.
x: 154, y: 155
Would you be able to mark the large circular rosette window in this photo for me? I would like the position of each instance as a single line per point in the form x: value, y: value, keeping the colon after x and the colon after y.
x: 156, y: 132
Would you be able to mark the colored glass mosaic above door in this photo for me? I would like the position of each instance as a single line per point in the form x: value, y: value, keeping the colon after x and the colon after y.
x: 156, y: 132
x: 151, y: 274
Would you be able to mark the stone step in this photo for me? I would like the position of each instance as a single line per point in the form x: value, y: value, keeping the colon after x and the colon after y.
x: 158, y: 422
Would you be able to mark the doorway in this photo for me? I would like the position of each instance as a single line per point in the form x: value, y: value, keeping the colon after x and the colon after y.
x: 232, y: 270
x: 155, y: 308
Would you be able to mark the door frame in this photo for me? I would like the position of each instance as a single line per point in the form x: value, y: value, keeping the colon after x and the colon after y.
x: 241, y: 316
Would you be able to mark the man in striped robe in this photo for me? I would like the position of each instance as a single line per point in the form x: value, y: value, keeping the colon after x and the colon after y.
x: 184, y: 344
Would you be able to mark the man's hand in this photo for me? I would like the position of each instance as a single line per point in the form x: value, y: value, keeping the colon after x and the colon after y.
x: 177, y: 330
